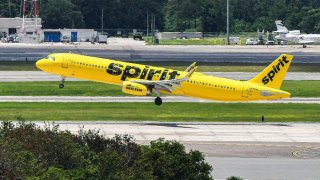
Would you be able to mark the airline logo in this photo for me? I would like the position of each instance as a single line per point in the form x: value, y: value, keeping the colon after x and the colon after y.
x: 275, y: 70
x: 116, y: 69
x: 133, y: 88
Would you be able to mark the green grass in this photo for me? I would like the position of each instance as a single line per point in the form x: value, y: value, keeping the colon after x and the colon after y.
x: 302, y: 88
x: 82, y: 88
x: 206, y: 41
x: 202, y: 66
x: 194, y: 41
x: 297, y: 88
x: 204, y: 112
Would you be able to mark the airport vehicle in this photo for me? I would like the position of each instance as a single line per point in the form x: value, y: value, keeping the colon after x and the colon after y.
x: 251, y: 42
x: 295, y: 36
x: 101, y: 38
x: 143, y: 80
x: 65, y: 39
x: 270, y: 42
x: 137, y: 36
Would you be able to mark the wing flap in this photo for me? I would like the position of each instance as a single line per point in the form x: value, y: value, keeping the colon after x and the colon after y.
x: 169, y: 85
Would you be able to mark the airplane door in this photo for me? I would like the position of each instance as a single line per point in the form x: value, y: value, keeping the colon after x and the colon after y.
x: 246, y: 90
x: 64, y: 63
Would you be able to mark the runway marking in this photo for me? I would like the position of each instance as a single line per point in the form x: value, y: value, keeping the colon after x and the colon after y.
x: 123, y: 99
x: 312, y: 155
x: 255, y: 144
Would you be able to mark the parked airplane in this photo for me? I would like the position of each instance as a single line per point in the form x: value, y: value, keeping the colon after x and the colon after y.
x: 142, y: 80
x: 295, y: 35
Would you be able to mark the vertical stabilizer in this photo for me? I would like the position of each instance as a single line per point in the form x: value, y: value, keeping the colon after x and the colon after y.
x: 281, y: 27
x: 273, y: 75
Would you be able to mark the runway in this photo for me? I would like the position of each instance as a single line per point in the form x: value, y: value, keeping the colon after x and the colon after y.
x: 249, y: 150
x: 30, y: 76
x: 135, y: 99
x: 244, y: 54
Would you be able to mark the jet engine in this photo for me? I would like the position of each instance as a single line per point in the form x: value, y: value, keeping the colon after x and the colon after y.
x: 135, y: 89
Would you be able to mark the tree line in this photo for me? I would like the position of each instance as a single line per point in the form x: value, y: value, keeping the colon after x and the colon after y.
x: 175, y: 15
x: 30, y: 152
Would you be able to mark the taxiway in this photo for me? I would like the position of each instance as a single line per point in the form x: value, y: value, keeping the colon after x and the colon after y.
x: 27, y: 76
x: 137, y: 99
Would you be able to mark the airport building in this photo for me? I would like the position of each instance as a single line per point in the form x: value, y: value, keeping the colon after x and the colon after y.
x: 15, y: 25
x: 28, y: 30
x: 68, y: 35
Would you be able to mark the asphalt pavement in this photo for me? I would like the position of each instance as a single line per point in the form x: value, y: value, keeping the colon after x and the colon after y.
x: 144, y: 99
x: 239, y: 54
x: 25, y: 76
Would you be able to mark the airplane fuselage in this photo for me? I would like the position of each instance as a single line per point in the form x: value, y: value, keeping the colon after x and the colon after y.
x: 116, y: 72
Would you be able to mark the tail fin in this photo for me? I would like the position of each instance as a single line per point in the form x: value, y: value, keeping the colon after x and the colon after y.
x: 273, y: 75
x: 281, y: 27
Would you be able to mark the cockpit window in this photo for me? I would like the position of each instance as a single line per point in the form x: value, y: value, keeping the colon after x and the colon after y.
x: 51, y: 58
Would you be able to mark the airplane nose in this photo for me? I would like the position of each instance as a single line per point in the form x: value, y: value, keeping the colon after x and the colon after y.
x: 41, y: 64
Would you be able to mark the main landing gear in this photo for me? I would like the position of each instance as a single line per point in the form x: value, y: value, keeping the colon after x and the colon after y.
x: 61, y: 85
x: 158, y: 100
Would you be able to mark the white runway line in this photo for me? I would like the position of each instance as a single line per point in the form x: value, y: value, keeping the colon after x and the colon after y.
x: 123, y: 99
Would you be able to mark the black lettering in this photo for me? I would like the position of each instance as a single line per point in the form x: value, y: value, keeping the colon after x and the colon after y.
x: 271, y: 75
x: 282, y: 64
x: 150, y: 74
x: 278, y: 67
x: 173, y: 74
x: 265, y: 80
x: 284, y: 58
x: 114, y: 69
x: 164, y: 74
x: 131, y: 72
x: 274, y: 68
x: 144, y: 72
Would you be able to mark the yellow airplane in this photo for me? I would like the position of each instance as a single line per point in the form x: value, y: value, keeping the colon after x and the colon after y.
x: 142, y: 80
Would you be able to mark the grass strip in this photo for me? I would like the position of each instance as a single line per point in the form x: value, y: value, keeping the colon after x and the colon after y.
x: 204, y: 112
x: 84, y: 88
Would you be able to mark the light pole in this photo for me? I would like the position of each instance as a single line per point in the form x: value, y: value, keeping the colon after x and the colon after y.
x: 228, y: 35
x: 102, y: 21
x: 9, y: 5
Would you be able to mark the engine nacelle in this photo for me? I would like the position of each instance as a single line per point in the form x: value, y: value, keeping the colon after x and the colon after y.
x: 135, y: 89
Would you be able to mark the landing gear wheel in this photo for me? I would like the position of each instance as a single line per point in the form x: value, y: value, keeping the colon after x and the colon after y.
x: 61, y: 86
x: 304, y: 46
x: 158, y: 101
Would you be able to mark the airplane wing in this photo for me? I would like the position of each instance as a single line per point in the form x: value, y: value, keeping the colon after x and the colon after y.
x: 168, y: 85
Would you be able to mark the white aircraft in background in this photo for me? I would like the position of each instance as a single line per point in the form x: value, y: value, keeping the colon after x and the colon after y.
x: 295, y: 36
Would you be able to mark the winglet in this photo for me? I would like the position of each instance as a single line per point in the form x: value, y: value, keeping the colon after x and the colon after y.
x: 191, y: 71
x: 190, y: 67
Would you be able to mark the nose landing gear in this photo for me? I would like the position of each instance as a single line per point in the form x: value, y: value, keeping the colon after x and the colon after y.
x: 61, y: 85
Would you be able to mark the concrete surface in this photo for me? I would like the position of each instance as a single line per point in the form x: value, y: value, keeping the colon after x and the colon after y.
x: 249, y: 54
x: 24, y: 76
x: 136, y: 99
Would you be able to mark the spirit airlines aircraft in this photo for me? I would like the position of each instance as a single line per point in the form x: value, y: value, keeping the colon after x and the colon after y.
x: 142, y: 80
x: 295, y: 35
